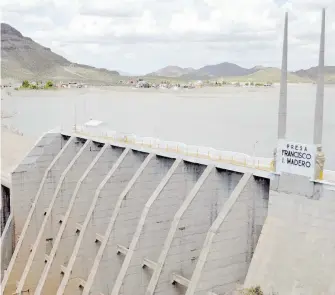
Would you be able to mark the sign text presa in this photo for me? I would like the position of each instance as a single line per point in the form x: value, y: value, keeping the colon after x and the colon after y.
x: 296, y: 158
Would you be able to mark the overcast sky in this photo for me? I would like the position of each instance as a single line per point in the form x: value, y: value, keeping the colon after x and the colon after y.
x: 140, y: 36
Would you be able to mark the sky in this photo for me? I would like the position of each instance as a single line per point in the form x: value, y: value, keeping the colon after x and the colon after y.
x: 141, y: 36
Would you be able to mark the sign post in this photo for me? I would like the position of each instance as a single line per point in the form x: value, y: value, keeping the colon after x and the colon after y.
x: 296, y: 158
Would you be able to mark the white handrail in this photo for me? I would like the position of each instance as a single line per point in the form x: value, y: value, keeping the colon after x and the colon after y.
x: 235, y: 158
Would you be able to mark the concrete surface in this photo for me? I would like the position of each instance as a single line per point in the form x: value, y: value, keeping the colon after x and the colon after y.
x: 41, y: 186
x: 295, y: 253
x: 102, y: 218
x: 84, y: 192
x: 7, y: 244
x: 14, y: 148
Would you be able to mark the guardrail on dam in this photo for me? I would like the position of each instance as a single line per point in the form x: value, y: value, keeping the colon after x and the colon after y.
x: 98, y: 213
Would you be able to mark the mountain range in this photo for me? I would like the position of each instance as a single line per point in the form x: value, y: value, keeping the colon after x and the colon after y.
x: 230, y: 71
x: 23, y: 58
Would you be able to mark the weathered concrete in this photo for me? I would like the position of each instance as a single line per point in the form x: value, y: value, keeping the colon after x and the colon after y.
x: 7, y: 244
x: 57, y: 209
x: 100, y: 217
x: 120, y: 154
x: 111, y: 224
x: 156, y: 226
x: 126, y: 222
x: 193, y: 225
x: 295, y: 253
x: 35, y: 216
x: 108, y: 219
x: 231, y: 240
x: 27, y: 176
x: 133, y: 245
x: 76, y: 215
x: 14, y: 148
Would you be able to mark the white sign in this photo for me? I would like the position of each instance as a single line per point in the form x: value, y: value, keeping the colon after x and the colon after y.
x: 296, y: 158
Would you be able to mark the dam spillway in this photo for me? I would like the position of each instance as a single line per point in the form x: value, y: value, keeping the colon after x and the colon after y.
x: 101, y: 218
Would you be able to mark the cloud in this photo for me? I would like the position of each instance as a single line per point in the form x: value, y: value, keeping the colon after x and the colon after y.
x: 112, y: 9
x: 143, y: 35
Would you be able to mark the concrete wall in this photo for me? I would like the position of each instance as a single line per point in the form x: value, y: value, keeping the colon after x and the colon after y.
x: 58, y: 204
x: 96, y: 218
x: 32, y: 182
x: 231, y: 240
x: 295, y: 253
x: 193, y: 226
x: 101, y: 215
x: 114, y: 220
x: 7, y: 244
x: 26, y: 178
x: 82, y: 202
x: 126, y: 222
x: 157, y: 224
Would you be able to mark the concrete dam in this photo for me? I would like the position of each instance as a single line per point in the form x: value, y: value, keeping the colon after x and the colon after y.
x: 105, y: 218
x: 91, y: 211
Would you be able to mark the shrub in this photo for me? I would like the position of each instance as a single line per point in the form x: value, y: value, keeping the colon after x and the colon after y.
x: 25, y: 84
x: 49, y: 84
x: 253, y: 291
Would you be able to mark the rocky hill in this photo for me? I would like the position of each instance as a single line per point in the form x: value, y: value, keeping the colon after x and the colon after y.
x: 206, y: 72
x: 270, y: 74
x: 225, y: 69
x: 23, y: 58
x: 312, y: 74
x: 172, y: 71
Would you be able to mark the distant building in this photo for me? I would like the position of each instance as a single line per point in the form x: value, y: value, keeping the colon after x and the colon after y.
x: 72, y: 85
x: 142, y: 84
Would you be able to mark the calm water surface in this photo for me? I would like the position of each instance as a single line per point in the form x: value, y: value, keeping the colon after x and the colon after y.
x: 235, y: 119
